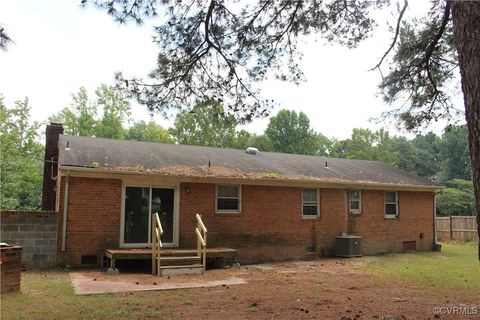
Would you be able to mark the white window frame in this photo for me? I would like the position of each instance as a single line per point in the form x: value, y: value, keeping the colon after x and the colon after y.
x: 390, y: 216
x: 239, y: 198
x: 308, y: 216
x: 355, y: 211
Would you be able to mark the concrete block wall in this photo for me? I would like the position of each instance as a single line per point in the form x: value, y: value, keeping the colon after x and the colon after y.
x: 35, y: 231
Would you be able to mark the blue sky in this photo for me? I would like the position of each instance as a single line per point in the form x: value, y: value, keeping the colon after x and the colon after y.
x: 60, y: 47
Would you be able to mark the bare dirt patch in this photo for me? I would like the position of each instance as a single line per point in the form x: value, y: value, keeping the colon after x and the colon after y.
x: 321, y: 289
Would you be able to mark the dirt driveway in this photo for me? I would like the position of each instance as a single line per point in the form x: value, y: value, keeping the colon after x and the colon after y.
x: 322, y: 289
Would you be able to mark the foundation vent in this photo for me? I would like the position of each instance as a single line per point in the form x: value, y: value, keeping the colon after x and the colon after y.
x: 89, y: 259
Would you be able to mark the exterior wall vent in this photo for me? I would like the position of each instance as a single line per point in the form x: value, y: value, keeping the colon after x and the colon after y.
x: 88, y: 260
x: 410, y: 245
x: 252, y: 150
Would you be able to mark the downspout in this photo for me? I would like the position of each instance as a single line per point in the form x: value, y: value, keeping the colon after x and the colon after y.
x: 65, y: 212
x: 435, y: 247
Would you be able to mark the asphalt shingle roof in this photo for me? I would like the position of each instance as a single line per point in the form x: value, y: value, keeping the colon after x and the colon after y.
x: 195, y: 161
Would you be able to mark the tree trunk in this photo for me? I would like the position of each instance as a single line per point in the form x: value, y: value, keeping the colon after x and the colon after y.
x: 466, y: 31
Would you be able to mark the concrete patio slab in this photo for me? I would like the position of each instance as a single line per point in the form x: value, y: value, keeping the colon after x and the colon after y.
x: 86, y: 285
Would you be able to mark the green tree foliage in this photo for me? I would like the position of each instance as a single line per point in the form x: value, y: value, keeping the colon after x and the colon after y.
x: 454, y: 150
x: 262, y: 142
x: 457, y: 198
x: 241, y: 139
x: 20, y: 158
x: 408, y: 159
x: 420, y: 156
x: 429, y: 149
x: 79, y: 119
x: 368, y: 145
x: 207, y: 125
x: 325, y: 145
x: 290, y: 132
x: 152, y: 132
x: 116, y: 111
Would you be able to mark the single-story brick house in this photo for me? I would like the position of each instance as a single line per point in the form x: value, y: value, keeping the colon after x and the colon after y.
x: 268, y: 206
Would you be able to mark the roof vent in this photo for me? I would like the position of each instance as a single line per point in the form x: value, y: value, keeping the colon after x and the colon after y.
x: 252, y: 150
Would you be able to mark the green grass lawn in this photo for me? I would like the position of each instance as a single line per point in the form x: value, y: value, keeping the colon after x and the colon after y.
x: 455, y: 268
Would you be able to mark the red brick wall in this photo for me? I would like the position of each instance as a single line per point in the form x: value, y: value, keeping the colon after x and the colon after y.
x: 270, y: 226
x: 93, y: 218
x: 387, y: 235
x: 11, y: 267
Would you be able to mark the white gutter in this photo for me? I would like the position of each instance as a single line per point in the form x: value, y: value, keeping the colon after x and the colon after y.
x: 65, y: 212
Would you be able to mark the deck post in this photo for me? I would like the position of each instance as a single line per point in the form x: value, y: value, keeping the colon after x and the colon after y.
x: 159, y: 271
x: 199, y: 252
x: 112, y: 263
x: 205, y: 252
x: 154, y: 255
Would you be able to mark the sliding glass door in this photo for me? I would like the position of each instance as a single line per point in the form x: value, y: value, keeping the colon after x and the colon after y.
x: 162, y: 203
x: 140, y: 203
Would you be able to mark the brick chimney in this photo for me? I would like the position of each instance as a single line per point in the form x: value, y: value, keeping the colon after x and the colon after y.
x: 50, y: 169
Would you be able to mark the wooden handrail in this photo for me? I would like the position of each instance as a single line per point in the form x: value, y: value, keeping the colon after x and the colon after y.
x: 159, y: 225
x: 200, y: 222
x: 159, y: 241
x: 201, y: 240
x: 157, y: 232
x: 200, y: 237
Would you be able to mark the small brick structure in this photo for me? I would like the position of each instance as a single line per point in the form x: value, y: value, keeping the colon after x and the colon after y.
x: 11, y: 267
x: 35, y: 231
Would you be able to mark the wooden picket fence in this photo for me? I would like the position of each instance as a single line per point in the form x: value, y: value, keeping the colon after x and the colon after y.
x: 459, y: 228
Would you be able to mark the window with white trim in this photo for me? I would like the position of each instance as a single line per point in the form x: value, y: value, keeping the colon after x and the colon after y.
x: 354, y: 201
x: 391, y: 204
x: 228, y: 198
x: 310, y: 202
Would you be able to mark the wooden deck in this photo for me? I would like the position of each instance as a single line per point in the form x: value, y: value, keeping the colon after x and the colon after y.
x: 146, y: 253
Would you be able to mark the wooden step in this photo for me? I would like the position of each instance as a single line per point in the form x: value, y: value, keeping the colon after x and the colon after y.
x: 166, y: 252
x: 181, y: 269
x: 196, y: 265
x: 181, y: 260
x: 173, y: 258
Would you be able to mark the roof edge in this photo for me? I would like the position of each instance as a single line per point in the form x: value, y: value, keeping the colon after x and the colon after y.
x: 266, y: 180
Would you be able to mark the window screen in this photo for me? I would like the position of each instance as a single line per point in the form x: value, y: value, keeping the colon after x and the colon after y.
x: 354, y: 201
x: 310, y: 202
x: 391, y: 203
x: 228, y: 198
